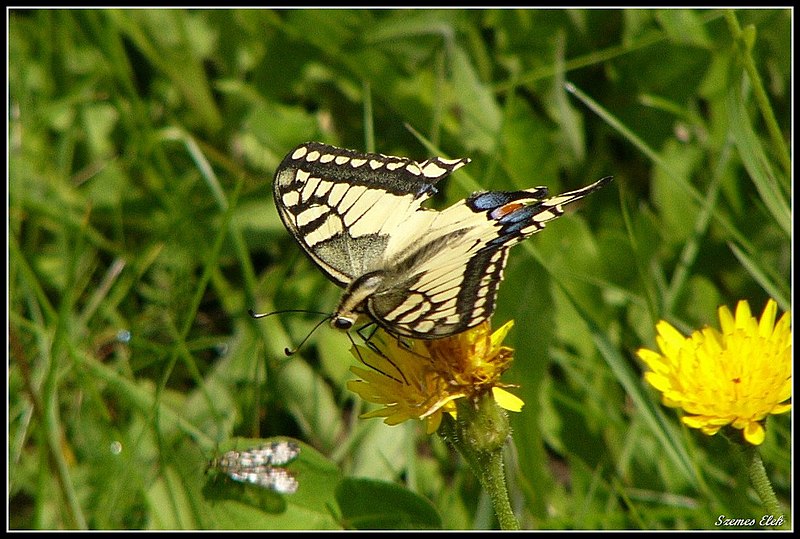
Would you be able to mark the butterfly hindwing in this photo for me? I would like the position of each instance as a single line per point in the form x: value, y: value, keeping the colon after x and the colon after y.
x: 448, y: 282
x: 446, y: 300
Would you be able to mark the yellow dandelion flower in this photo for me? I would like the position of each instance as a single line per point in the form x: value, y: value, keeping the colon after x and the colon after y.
x: 736, y: 376
x: 420, y: 379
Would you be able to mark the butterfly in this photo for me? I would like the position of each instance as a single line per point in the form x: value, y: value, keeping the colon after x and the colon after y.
x: 417, y: 272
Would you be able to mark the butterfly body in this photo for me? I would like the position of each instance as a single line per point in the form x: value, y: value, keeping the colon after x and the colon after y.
x: 417, y: 272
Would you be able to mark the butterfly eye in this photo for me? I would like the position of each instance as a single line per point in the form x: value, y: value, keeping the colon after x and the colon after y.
x: 342, y: 323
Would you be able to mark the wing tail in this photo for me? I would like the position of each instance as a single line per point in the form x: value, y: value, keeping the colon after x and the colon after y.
x: 520, y: 214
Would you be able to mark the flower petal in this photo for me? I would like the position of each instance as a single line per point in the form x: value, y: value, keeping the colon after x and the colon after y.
x: 743, y: 316
x: 422, y: 379
x: 726, y: 321
x: 754, y: 433
x: 507, y: 400
x: 767, y: 323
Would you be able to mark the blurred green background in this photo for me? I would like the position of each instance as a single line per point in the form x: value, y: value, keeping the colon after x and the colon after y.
x: 141, y: 150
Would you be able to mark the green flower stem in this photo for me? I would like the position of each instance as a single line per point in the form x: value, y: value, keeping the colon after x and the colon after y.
x: 479, y: 434
x: 761, y: 483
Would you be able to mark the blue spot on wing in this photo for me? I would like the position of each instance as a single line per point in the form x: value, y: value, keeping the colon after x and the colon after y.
x: 489, y: 201
x: 495, y: 199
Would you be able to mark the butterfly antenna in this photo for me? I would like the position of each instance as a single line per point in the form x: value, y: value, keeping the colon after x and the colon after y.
x: 254, y: 314
x: 290, y: 352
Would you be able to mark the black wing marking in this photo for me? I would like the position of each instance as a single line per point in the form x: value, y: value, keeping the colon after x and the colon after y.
x: 449, y: 282
x: 342, y: 206
x: 449, y: 301
x: 518, y: 217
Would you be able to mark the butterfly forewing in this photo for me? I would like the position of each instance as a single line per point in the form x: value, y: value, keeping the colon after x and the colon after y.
x: 343, y: 206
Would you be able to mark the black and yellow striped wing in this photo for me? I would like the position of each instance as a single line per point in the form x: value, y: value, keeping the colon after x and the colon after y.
x: 343, y: 206
x: 417, y: 272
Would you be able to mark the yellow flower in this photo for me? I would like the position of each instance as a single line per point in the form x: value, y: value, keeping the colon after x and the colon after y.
x: 421, y: 379
x: 737, y: 376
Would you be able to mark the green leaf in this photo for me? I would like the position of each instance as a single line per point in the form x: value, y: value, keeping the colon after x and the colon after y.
x: 756, y: 162
x: 675, y: 206
x: 367, y: 504
x: 660, y: 427
x: 772, y: 284
x: 233, y: 505
x: 684, y: 26
x: 482, y: 115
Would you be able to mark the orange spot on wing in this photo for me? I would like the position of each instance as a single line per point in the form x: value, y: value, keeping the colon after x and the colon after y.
x: 502, y: 211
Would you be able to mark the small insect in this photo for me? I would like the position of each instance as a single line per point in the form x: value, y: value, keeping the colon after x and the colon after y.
x: 261, y: 466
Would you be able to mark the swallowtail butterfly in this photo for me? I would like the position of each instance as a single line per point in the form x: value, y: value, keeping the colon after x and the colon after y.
x: 417, y: 272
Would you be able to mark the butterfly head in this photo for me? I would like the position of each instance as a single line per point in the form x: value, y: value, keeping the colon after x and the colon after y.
x: 353, y: 302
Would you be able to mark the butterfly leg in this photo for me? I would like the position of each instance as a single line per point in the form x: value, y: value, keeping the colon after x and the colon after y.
x: 374, y: 348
